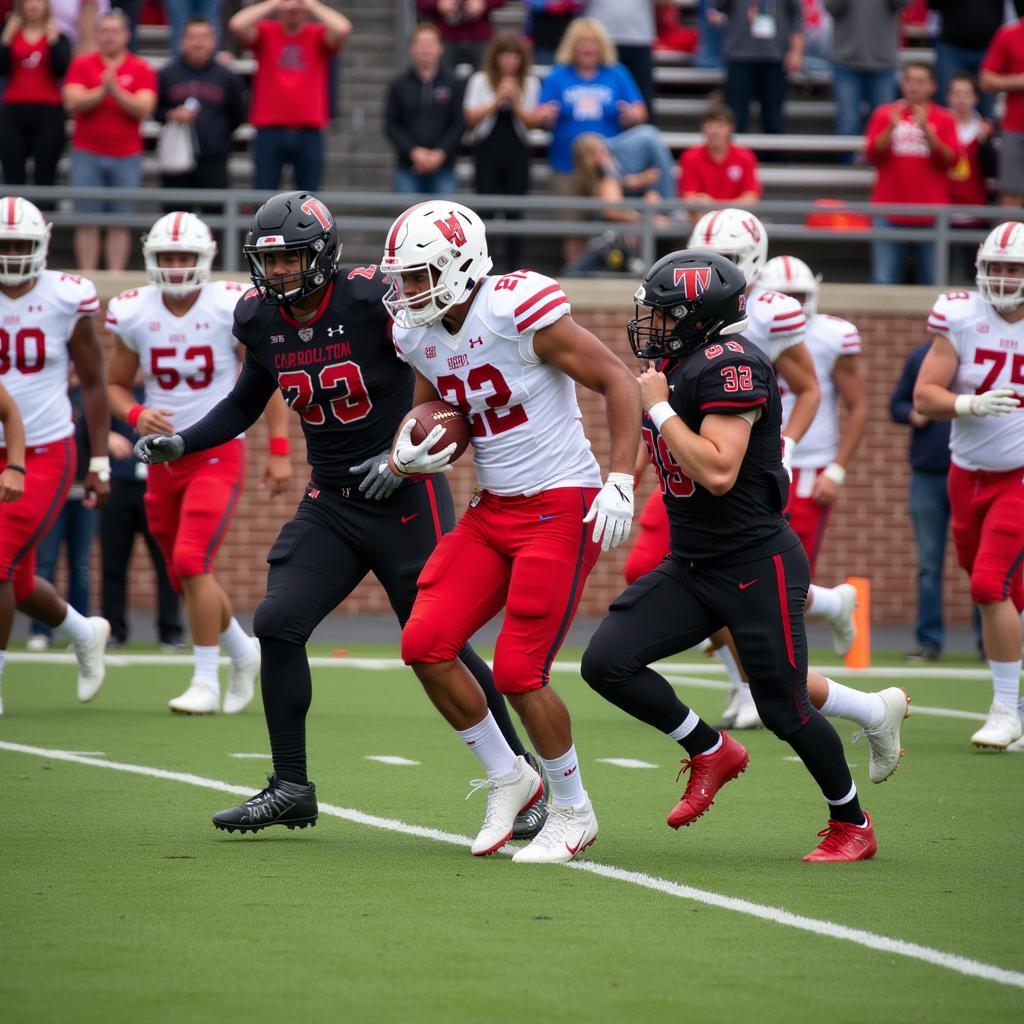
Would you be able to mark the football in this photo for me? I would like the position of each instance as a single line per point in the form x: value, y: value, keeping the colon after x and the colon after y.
x: 433, y: 414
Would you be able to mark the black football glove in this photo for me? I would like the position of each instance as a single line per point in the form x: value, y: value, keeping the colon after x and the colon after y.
x: 381, y: 481
x: 155, y: 448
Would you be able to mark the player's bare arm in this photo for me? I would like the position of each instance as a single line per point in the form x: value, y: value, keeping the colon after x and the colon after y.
x: 582, y: 356
x: 122, y: 371
x: 88, y: 359
x: 852, y: 389
x: 277, y: 471
x: 796, y: 367
x: 12, y: 479
x: 713, y: 457
x: 934, y: 399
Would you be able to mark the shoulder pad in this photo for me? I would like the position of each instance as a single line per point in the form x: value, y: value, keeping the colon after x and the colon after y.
x: 525, y: 302
x: 953, y: 309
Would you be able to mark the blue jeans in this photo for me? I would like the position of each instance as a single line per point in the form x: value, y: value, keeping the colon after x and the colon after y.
x: 889, y: 258
x: 857, y: 93
x: 274, y: 148
x: 709, y: 47
x: 93, y: 170
x: 764, y: 81
x: 441, y: 183
x: 951, y: 59
x: 636, y: 149
x: 179, y: 11
x: 74, y: 527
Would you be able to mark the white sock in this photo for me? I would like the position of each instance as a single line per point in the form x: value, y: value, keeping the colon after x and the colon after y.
x: 825, y: 602
x: 866, y: 709
x: 491, y: 748
x: 564, y: 778
x: 76, y: 627
x: 843, y: 799
x: 1006, y: 682
x: 732, y: 670
x: 236, y: 642
x: 684, y: 730
x: 3, y: 655
x: 206, y: 666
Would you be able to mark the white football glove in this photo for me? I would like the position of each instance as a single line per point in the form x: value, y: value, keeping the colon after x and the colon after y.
x: 612, y: 511
x: 998, y: 402
x: 788, y: 444
x: 409, y: 458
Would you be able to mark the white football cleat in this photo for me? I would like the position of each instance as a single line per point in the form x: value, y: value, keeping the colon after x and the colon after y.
x: 884, y: 739
x: 728, y: 716
x: 746, y: 712
x: 198, y: 699
x: 568, y: 831
x: 844, y: 632
x: 1001, y: 728
x: 242, y: 681
x: 91, y: 657
x: 506, y: 797
x: 37, y: 643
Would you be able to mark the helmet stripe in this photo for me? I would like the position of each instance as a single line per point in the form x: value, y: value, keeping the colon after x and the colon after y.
x: 787, y: 267
x: 1008, y: 231
x: 176, y: 226
x: 10, y: 214
x: 709, y: 230
x: 393, y: 237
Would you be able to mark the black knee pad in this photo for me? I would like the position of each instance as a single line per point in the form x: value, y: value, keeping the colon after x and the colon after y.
x: 779, y: 716
x: 268, y: 621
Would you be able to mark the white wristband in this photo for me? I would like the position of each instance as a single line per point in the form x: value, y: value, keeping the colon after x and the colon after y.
x: 962, y: 405
x: 835, y: 473
x: 660, y: 412
x: 100, y: 465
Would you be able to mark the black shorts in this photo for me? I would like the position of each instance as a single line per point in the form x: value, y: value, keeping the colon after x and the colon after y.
x: 333, y: 541
x: 761, y: 601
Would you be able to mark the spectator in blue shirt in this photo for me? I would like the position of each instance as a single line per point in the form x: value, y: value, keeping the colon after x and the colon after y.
x: 586, y: 91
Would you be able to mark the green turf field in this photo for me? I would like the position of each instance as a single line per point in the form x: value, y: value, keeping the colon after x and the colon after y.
x: 120, y: 902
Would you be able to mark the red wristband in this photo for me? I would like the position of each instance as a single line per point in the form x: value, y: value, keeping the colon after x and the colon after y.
x: 279, y: 446
x: 134, y: 413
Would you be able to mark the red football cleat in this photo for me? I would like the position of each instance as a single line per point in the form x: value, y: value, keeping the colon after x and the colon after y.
x: 708, y: 774
x: 845, y: 842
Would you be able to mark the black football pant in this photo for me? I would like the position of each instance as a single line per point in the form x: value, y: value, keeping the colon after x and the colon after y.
x: 682, y: 602
x: 333, y: 541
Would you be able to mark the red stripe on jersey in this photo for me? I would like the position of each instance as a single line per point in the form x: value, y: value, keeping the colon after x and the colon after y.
x: 938, y: 328
x: 534, y: 317
x: 393, y: 237
x: 111, y: 320
x: 851, y: 344
x: 1004, y: 241
x: 709, y: 230
x: 938, y: 316
x: 723, y: 404
x: 789, y: 315
x: 789, y: 328
x: 524, y: 306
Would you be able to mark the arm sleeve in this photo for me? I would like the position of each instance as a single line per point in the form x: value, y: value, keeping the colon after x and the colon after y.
x: 236, y: 412
x: 902, y: 400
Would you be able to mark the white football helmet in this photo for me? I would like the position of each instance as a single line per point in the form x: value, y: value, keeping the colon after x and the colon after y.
x: 449, y: 242
x: 21, y: 221
x: 1005, y: 244
x: 790, y: 276
x: 734, y: 233
x: 179, y: 232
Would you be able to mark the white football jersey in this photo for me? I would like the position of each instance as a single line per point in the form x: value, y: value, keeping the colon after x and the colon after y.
x: 188, y: 363
x: 775, y: 321
x: 991, y: 353
x: 526, y: 427
x: 827, y: 338
x: 34, y: 332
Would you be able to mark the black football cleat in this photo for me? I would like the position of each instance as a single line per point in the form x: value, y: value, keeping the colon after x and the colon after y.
x: 530, y: 820
x: 281, y: 803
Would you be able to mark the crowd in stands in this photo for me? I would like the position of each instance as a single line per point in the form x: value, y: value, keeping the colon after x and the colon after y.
x: 580, y: 70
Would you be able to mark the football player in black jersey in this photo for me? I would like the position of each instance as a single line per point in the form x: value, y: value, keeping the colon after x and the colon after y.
x: 322, y: 335
x: 713, y: 427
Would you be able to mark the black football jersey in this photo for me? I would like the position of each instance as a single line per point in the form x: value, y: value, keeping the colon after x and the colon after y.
x: 728, y: 376
x: 338, y: 370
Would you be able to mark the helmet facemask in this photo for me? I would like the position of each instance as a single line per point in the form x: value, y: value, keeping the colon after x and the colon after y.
x: 292, y: 288
x: 425, y: 307
x: 1003, y: 293
x: 20, y: 268
x: 675, y: 332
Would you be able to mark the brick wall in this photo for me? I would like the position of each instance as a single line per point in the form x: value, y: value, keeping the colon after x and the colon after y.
x: 869, y: 533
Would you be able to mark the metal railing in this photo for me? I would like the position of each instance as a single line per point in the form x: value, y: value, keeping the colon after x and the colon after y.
x: 657, y: 227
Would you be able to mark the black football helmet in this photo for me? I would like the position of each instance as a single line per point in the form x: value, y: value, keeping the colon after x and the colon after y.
x: 292, y: 220
x: 693, y: 296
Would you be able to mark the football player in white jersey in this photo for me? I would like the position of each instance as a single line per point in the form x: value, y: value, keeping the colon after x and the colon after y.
x: 46, y: 318
x: 974, y: 375
x: 177, y: 330
x: 508, y: 353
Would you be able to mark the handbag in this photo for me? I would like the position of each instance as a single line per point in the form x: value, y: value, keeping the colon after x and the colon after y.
x: 175, y: 148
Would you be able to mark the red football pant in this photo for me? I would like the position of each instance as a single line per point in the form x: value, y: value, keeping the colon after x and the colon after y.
x: 189, y: 504
x: 652, y: 543
x: 49, y: 473
x: 807, y: 518
x: 988, y: 530
x: 529, y: 555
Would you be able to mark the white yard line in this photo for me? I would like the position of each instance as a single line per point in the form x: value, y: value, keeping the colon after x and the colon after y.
x: 254, y: 757
x: 626, y: 762
x: 391, y: 759
x: 774, y: 915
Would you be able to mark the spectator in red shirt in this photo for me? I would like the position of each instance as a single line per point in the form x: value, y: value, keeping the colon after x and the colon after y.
x: 109, y: 92
x: 913, y: 144
x: 289, y: 90
x: 719, y: 170
x: 1002, y: 70
x: 465, y: 27
x: 34, y: 56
